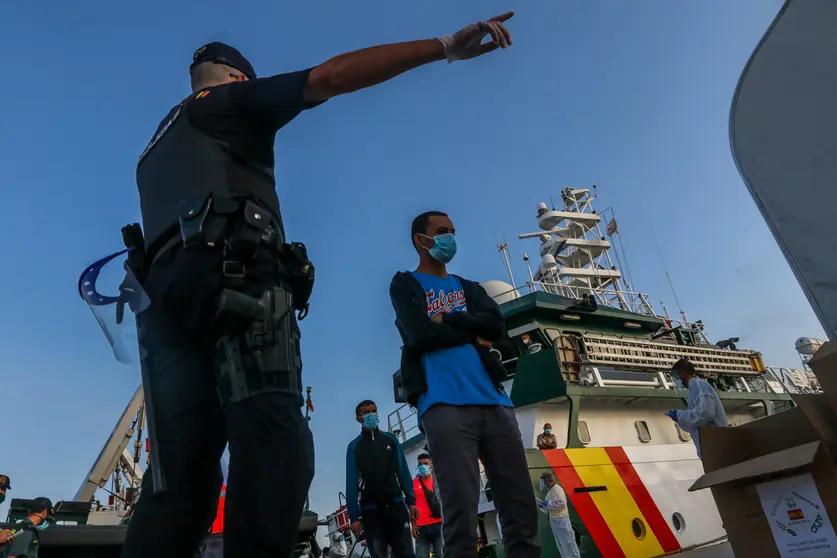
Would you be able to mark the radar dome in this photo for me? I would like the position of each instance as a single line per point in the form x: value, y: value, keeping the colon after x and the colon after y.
x: 542, y: 206
x: 548, y: 260
x: 808, y: 346
x: 500, y: 291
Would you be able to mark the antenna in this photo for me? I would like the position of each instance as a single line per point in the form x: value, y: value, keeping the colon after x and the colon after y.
x: 662, y: 261
x: 506, y: 256
x: 529, y: 267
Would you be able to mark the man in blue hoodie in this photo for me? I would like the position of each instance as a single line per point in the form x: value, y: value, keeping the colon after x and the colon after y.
x: 379, y: 488
x: 448, y: 325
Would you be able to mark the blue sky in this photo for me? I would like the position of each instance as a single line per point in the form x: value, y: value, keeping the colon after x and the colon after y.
x: 631, y: 95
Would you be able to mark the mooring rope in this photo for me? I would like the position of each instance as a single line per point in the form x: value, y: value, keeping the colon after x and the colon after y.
x: 693, y: 547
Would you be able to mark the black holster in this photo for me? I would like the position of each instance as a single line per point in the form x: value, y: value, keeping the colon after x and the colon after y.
x: 244, y: 226
x: 133, y: 239
x: 298, y: 273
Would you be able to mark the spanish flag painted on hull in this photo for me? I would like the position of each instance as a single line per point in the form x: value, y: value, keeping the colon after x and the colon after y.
x: 609, y: 498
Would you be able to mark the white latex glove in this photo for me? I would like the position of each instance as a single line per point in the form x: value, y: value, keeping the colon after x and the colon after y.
x: 467, y: 43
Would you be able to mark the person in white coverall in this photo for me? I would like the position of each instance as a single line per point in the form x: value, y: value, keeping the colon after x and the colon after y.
x: 339, y: 548
x: 554, y: 505
x: 704, y: 408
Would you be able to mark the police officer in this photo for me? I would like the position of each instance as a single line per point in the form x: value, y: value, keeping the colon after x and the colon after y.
x: 5, y: 484
x: 224, y: 284
x: 23, y: 541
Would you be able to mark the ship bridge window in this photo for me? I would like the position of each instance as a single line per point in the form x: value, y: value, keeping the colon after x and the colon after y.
x: 583, y: 432
x: 682, y: 434
x: 642, y: 431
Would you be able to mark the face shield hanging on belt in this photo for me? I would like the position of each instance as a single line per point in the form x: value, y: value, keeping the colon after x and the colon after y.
x: 116, y: 298
x: 109, y: 289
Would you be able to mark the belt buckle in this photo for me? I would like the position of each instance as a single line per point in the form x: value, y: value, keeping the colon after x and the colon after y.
x: 234, y: 269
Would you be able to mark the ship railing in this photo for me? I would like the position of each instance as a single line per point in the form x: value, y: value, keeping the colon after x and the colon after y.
x: 793, y: 380
x: 623, y: 300
x: 403, y: 422
x: 611, y: 377
x: 605, y: 361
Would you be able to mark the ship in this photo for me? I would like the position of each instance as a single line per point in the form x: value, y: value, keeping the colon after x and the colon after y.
x: 598, y: 370
x: 93, y: 524
x: 587, y: 354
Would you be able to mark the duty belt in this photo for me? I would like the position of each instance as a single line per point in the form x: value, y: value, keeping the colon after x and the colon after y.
x: 222, y: 220
x: 244, y: 227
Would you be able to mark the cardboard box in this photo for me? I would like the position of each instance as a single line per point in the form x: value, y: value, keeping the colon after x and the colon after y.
x: 774, y: 480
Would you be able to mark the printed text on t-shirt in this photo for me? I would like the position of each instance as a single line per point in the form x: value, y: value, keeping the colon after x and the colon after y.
x: 445, y: 302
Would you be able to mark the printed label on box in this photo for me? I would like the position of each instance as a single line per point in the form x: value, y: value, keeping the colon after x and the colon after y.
x: 798, y: 519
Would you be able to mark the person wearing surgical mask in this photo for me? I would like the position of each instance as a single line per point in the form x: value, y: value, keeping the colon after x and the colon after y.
x: 451, y: 374
x: 379, y: 488
x: 547, y: 440
x: 339, y: 548
x: 427, y: 529
x: 704, y: 405
x: 554, y: 505
x: 22, y: 541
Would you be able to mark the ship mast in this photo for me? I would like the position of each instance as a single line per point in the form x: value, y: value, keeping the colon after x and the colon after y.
x: 575, y: 253
x: 576, y: 260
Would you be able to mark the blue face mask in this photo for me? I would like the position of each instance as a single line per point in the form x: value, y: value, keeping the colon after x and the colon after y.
x: 341, y: 538
x: 370, y: 421
x: 547, y: 431
x: 444, y: 247
x: 543, y: 485
x: 44, y: 524
x: 423, y: 470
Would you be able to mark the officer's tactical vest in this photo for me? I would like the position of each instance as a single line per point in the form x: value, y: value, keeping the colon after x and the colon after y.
x: 182, y: 162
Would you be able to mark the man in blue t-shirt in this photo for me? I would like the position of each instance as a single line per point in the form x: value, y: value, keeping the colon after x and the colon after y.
x: 448, y: 325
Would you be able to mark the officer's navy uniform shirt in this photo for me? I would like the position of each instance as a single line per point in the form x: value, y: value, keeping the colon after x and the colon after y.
x: 255, y: 110
x: 245, y: 117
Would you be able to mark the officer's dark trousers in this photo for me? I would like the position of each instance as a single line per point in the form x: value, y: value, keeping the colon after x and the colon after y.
x: 388, y: 527
x: 271, y: 448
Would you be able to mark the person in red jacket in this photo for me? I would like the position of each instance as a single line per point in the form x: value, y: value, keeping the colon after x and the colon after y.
x: 218, y: 524
x: 427, y: 529
x: 213, y: 545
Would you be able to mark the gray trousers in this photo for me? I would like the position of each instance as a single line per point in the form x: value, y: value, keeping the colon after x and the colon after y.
x: 430, y: 538
x: 458, y: 436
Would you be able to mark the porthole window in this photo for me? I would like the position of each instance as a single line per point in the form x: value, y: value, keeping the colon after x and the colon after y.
x: 678, y: 522
x: 638, y: 527
x: 583, y: 432
x: 642, y: 431
x: 682, y: 434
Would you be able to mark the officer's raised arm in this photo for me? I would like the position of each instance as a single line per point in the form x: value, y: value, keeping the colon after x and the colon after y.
x: 370, y: 66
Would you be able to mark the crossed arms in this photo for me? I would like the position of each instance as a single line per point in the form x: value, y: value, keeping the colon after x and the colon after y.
x: 482, y: 324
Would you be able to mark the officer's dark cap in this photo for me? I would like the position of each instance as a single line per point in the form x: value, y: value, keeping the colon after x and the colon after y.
x: 219, y: 53
x: 5, y: 482
x: 41, y: 504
